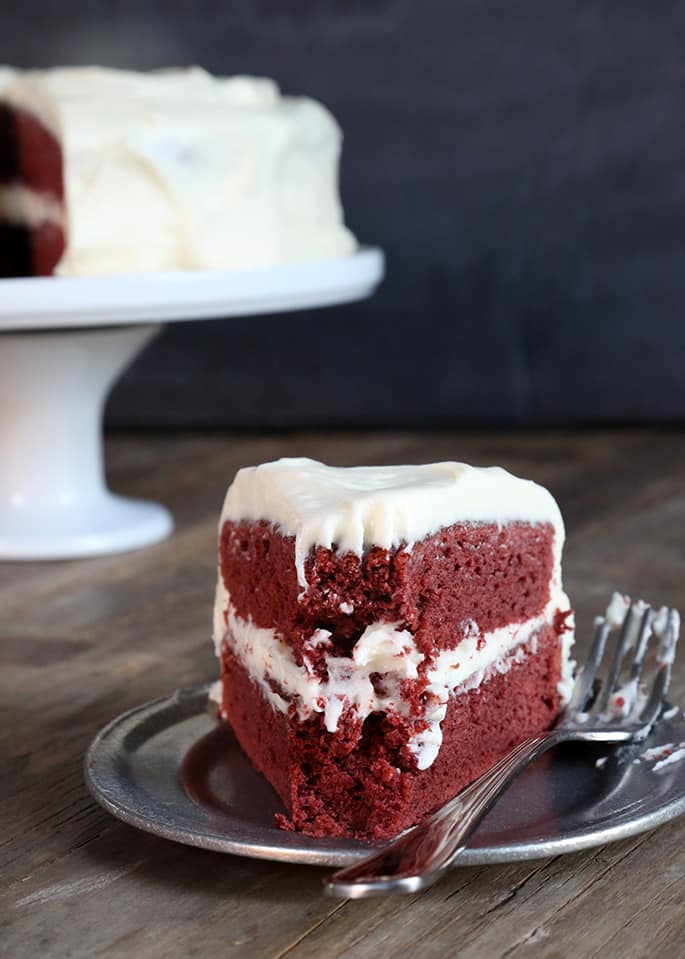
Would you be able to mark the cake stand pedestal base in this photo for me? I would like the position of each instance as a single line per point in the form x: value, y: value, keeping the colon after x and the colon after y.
x: 54, y: 503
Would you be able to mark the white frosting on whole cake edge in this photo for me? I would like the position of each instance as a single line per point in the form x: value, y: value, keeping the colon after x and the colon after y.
x: 354, y: 508
x: 179, y: 170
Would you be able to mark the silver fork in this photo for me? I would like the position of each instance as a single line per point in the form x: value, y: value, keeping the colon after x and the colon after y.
x: 417, y: 858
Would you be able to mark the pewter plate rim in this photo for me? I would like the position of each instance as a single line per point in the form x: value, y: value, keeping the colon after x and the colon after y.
x: 166, y: 810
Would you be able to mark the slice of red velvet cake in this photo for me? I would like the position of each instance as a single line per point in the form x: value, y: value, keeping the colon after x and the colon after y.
x: 386, y: 634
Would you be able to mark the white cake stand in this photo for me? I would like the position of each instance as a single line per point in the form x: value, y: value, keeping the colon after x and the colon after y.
x: 63, y: 343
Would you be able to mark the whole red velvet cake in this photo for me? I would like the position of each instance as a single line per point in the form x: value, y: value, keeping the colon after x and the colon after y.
x: 386, y: 634
x: 115, y: 171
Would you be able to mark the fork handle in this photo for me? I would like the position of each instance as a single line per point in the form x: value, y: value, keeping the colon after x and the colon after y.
x: 416, y: 859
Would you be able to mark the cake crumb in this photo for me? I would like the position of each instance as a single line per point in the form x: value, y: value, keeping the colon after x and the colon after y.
x: 657, y: 752
x: 282, y: 822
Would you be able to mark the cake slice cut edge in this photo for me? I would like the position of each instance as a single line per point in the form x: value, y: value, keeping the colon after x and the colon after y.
x: 385, y: 635
x: 106, y: 171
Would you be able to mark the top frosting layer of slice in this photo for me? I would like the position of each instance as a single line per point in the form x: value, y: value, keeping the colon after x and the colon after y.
x: 354, y: 508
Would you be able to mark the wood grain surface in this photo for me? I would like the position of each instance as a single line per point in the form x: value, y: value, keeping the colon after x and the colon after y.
x: 82, y: 641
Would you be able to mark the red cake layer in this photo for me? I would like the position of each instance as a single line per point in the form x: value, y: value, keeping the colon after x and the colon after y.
x: 29, y: 152
x: 30, y: 157
x: 363, y: 780
x: 469, y: 571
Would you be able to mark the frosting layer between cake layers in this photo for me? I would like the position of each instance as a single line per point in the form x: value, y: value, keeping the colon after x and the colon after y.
x: 386, y: 650
x: 182, y: 170
x: 31, y: 208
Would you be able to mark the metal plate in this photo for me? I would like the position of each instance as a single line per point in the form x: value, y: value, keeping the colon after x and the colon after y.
x: 561, y: 804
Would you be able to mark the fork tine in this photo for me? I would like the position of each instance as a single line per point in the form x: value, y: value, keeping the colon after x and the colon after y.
x: 583, y: 685
x: 652, y: 708
x: 622, y: 644
x: 643, y: 639
x: 668, y: 633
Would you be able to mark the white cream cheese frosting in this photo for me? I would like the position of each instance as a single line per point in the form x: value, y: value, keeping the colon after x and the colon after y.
x: 179, y: 170
x: 354, y: 508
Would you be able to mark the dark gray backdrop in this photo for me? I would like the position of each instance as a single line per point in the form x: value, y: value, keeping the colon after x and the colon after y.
x: 522, y: 164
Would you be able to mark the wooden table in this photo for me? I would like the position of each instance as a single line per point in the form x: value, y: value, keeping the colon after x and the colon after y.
x: 82, y: 641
